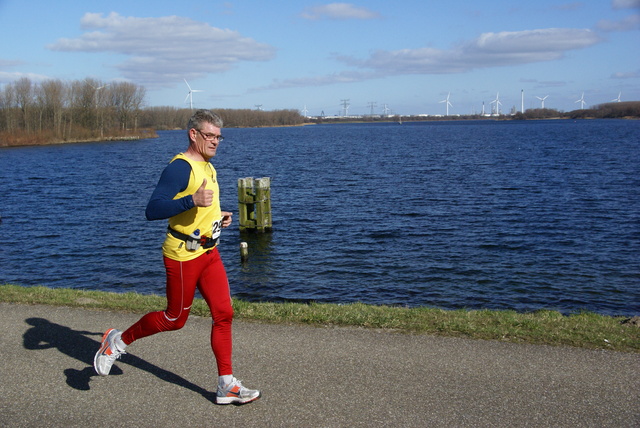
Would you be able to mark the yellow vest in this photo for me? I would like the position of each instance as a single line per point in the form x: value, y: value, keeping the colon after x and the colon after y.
x: 201, y: 221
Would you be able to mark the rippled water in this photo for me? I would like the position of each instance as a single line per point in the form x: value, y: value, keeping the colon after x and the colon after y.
x: 499, y: 215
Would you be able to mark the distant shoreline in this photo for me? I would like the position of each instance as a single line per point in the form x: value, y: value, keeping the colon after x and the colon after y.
x: 76, y: 141
x: 324, y: 121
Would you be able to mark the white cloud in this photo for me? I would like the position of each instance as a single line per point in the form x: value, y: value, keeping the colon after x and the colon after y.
x: 6, y: 77
x: 552, y: 84
x: 166, y: 48
x: 631, y: 22
x: 489, y: 50
x: 338, y: 11
x: 545, y: 83
x: 626, y: 4
x: 330, y: 79
x: 6, y: 63
x: 626, y: 75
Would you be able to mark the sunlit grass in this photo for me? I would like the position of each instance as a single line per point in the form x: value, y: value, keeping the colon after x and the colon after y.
x: 587, y: 330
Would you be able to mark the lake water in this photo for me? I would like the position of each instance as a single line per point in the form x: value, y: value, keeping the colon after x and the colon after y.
x: 497, y: 215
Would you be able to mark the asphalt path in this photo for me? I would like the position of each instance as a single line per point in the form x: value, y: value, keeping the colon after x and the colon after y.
x: 309, y: 377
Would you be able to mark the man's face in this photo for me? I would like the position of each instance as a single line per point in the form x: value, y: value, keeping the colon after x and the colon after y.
x: 206, y: 140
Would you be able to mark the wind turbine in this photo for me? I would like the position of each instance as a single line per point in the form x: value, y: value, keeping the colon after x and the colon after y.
x: 190, y: 94
x: 542, y: 100
x: 498, y: 103
x: 447, y: 102
x: 581, y: 101
x: 617, y: 100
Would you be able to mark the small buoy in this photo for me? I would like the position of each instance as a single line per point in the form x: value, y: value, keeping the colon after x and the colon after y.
x: 244, y: 251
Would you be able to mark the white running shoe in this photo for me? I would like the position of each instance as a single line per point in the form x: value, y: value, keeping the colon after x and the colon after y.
x: 107, y: 353
x: 235, y: 393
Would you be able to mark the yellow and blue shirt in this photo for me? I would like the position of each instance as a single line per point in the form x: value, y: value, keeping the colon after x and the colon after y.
x: 172, y: 199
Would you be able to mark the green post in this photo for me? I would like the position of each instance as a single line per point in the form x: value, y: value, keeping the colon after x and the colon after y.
x: 254, y: 203
x: 263, y: 203
x: 245, y: 201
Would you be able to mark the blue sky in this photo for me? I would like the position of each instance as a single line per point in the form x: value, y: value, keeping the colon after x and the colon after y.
x: 405, y: 56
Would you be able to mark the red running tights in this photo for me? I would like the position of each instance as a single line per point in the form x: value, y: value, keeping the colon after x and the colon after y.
x: 208, y: 274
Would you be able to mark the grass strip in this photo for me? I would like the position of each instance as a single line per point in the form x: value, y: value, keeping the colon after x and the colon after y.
x: 585, y: 329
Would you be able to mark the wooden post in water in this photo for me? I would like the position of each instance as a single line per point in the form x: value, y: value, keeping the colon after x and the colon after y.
x: 245, y: 201
x: 263, y: 203
x: 254, y: 203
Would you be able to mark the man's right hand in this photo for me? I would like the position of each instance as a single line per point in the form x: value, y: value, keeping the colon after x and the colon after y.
x: 203, y: 196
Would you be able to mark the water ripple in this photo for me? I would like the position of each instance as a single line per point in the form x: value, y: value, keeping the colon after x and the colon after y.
x: 498, y: 215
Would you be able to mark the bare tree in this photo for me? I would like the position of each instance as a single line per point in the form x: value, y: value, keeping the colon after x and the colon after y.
x: 137, y: 103
x: 24, y: 100
x: 85, y: 102
x: 8, y: 107
x: 122, y: 100
x: 51, y: 102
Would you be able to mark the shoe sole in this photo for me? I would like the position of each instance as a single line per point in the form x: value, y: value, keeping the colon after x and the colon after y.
x: 103, y: 345
x: 235, y: 400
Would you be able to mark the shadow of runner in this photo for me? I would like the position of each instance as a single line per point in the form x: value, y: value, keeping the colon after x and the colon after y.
x: 45, y: 335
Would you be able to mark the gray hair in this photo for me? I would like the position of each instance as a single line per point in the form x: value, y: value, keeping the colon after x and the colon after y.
x: 200, y: 117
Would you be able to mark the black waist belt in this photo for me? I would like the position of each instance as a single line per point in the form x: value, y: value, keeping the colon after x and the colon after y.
x: 204, y: 241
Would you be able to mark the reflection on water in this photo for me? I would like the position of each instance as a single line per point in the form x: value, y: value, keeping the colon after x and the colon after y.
x: 254, y: 274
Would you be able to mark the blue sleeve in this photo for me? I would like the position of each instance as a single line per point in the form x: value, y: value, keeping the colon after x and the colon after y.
x: 174, y: 179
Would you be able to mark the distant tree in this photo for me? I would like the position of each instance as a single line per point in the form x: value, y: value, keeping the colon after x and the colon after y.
x: 51, y: 102
x: 24, y: 100
x: 541, y: 113
x: 125, y: 100
x: 256, y: 118
x: 618, y: 110
x: 8, y: 121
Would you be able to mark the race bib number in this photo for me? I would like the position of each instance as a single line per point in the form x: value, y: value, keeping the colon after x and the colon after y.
x: 216, y: 229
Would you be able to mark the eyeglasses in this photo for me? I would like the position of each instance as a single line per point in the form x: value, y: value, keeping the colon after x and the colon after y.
x: 210, y: 137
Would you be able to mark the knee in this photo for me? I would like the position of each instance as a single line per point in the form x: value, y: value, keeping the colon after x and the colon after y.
x: 180, y: 322
x: 222, y: 315
x: 171, y: 324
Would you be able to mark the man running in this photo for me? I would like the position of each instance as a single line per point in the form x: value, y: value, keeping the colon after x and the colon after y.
x: 187, y: 195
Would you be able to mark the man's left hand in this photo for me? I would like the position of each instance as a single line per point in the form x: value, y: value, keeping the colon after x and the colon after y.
x: 226, y: 219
